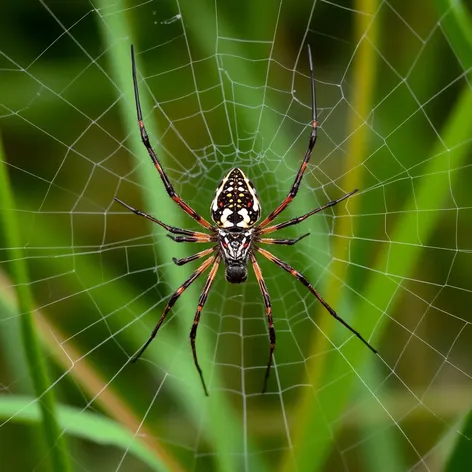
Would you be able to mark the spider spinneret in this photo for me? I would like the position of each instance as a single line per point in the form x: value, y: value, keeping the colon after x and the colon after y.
x: 235, y: 211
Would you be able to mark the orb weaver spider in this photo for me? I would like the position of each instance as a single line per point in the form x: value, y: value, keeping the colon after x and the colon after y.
x: 235, y: 211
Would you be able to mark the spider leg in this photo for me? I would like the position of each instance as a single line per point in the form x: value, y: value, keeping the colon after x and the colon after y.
x: 192, y: 239
x: 299, y: 219
x: 201, y: 304
x: 310, y: 287
x: 172, y: 229
x: 145, y: 139
x: 311, y: 144
x: 270, y: 321
x: 287, y: 242
x: 198, y: 255
x: 171, y: 303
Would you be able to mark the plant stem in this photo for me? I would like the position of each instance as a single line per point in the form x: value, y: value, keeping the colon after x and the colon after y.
x: 55, y: 442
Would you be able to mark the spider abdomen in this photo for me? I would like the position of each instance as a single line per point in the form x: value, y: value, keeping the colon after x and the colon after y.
x: 235, y: 204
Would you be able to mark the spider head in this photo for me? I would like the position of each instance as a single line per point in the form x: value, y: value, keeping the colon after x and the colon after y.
x: 235, y: 204
x: 235, y: 245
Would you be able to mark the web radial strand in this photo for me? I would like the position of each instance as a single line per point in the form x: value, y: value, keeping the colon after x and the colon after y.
x: 223, y: 88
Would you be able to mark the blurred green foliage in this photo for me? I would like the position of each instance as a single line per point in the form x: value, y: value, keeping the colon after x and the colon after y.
x: 394, y: 99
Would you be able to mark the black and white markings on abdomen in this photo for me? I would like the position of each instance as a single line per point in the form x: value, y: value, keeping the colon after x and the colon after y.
x: 235, y: 204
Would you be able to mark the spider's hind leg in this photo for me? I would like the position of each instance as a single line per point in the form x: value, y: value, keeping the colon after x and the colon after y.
x: 201, y: 304
x: 175, y: 296
x: 299, y: 276
x: 270, y: 321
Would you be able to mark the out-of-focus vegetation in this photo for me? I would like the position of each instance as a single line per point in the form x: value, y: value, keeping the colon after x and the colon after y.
x: 82, y: 282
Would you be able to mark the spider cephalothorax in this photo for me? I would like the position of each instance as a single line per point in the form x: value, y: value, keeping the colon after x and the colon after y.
x: 235, y: 245
x: 235, y: 210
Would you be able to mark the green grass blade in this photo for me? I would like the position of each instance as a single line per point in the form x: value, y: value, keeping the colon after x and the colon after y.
x: 56, y: 446
x: 222, y: 428
x: 80, y: 424
x: 90, y: 379
x: 309, y: 416
x: 201, y: 19
x: 461, y: 455
x: 457, y: 24
x: 380, y: 291
x: 386, y: 441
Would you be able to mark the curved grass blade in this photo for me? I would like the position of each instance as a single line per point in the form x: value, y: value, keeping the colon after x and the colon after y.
x: 80, y: 424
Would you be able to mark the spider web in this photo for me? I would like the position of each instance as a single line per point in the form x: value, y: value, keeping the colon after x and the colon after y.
x: 226, y: 85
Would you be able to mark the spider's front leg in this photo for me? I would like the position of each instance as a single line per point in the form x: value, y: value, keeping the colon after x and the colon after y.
x: 145, y: 139
x: 311, y: 144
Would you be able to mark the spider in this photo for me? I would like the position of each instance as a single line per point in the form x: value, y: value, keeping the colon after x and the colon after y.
x: 235, y: 211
